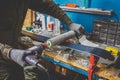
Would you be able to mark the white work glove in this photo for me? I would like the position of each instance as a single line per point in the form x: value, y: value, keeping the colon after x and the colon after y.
x: 17, y: 56
x: 77, y: 27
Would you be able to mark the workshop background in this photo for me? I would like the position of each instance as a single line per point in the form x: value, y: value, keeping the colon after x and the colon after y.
x: 87, y: 19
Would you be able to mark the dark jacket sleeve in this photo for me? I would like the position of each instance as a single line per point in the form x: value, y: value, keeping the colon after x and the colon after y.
x: 50, y: 8
x: 4, y: 50
x: 1, y: 49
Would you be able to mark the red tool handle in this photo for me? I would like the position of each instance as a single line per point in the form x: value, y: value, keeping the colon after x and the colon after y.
x: 93, y: 63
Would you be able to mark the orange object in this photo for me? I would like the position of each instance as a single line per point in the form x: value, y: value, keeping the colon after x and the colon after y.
x: 71, y: 5
x: 50, y: 26
x: 69, y: 41
x: 92, y: 66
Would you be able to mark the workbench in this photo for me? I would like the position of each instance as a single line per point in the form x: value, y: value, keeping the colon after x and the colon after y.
x: 102, y: 74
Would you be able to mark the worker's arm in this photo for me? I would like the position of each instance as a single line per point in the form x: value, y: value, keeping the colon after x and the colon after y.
x: 7, y: 52
x: 21, y: 57
x: 49, y: 7
x: 4, y: 49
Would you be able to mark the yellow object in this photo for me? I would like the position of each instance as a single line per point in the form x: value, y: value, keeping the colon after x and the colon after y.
x: 61, y: 70
x: 49, y: 44
x: 64, y: 71
x: 113, y: 50
x: 57, y: 68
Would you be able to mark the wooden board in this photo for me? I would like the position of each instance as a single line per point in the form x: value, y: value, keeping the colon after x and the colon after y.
x: 30, y: 17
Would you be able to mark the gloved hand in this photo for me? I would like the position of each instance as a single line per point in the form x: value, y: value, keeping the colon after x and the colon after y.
x: 18, y: 56
x: 77, y: 27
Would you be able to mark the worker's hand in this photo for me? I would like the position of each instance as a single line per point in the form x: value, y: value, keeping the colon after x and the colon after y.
x: 77, y: 27
x: 18, y: 55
